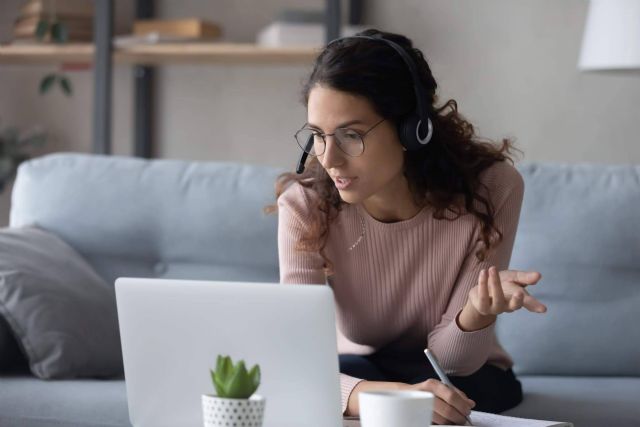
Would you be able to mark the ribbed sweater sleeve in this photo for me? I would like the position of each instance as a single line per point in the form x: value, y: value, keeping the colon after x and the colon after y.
x: 301, y: 267
x: 296, y: 266
x: 463, y: 353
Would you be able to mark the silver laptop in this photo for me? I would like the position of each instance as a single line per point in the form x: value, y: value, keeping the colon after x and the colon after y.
x: 172, y: 331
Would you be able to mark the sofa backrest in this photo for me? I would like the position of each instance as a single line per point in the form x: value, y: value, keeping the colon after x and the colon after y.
x: 580, y: 227
x: 158, y: 218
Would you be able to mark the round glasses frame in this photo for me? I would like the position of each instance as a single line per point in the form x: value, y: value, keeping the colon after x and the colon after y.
x: 311, y: 142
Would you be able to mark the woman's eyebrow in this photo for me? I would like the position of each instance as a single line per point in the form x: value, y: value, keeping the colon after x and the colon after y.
x: 351, y: 122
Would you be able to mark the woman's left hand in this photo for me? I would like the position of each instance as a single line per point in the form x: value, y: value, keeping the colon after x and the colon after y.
x: 498, y: 293
x: 504, y: 292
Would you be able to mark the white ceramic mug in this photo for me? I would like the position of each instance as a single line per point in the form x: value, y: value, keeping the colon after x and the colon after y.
x: 389, y: 408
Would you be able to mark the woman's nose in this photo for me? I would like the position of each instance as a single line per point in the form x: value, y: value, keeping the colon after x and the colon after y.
x: 332, y: 155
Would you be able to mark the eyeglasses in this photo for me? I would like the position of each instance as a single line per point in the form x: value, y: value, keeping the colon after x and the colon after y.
x: 348, y: 140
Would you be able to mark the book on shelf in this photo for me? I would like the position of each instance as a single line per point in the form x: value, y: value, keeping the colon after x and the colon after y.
x: 310, y: 34
x: 71, y: 21
x: 60, y: 7
x: 188, y: 28
x: 74, y: 34
x: 77, y: 22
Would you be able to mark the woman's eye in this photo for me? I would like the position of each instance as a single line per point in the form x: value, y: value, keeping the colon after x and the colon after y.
x: 352, y: 135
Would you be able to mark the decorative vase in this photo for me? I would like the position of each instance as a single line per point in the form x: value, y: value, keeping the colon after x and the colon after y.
x: 224, y: 412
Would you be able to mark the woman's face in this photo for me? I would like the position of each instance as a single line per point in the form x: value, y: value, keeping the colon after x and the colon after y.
x: 373, y: 178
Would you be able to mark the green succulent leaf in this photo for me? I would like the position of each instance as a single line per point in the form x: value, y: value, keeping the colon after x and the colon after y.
x: 254, y: 374
x: 239, y: 384
x: 46, y: 83
x: 220, y: 391
x: 233, y: 381
x: 223, y: 368
x: 42, y: 29
x: 59, y: 32
x: 65, y: 85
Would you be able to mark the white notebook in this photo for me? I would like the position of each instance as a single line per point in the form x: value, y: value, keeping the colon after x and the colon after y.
x: 483, y: 419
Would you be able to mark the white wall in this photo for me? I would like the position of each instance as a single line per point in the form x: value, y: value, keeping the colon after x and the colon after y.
x: 511, y: 65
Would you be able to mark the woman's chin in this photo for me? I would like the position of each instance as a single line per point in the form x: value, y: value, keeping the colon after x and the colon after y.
x: 350, y: 197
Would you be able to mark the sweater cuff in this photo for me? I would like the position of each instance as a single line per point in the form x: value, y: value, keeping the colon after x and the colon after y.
x: 466, y: 351
x: 347, y: 384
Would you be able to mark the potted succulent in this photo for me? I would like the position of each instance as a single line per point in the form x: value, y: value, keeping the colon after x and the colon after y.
x: 235, y: 403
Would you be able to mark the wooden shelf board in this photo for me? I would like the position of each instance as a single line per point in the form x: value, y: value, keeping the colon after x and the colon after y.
x: 45, y: 53
x: 214, y: 52
x: 163, y: 53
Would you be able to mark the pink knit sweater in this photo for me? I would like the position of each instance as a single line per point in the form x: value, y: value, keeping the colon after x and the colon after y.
x: 405, y: 282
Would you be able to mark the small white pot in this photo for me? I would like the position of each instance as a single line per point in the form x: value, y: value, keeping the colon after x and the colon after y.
x: 223, y: 412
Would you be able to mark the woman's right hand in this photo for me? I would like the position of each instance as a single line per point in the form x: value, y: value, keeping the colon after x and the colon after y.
x: 450, y: 406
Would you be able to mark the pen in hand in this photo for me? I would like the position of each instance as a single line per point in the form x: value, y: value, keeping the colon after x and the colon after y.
x: 443, y: 377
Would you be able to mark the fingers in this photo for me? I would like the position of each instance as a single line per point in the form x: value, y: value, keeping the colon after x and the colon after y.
x: 444, y: 414
x: 484, y: 300
x: 451, y: 405
x: 522, y: 277
x: 498, y: 304
x: 500, y: 292
x: 533, y: 305
x: 516, y: 301
x: 511, y: 281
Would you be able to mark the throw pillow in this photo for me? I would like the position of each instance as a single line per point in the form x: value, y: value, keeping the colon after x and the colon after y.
x: 62, y: 313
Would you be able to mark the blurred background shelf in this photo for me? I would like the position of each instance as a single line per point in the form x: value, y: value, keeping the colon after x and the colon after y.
x: 158, y: 54
x: 101, y: 49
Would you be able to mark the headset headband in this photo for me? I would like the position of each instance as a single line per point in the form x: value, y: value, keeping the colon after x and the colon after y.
x: 417, y: 83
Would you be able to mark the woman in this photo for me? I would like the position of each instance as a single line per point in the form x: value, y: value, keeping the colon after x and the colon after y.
x: 409, y: 235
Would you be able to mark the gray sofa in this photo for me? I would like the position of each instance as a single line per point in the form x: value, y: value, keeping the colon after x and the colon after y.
x: 579, y: 226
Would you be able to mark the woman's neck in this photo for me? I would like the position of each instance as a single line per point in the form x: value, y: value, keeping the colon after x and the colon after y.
x: 392, y: 204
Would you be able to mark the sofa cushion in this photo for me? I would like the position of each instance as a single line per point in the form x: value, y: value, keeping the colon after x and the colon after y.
x: 584, y: 401
x: 26, y: 401
x: 62, y: 313
x: 587, y: 402
x: 579, y: 227
x: 154, y: 218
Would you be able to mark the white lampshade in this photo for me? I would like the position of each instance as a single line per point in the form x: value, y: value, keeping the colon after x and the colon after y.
x: 611, y: 38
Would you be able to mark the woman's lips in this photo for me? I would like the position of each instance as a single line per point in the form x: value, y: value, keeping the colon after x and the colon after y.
x: 343, y: 182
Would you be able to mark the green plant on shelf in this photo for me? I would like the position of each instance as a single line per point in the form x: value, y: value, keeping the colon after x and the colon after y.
x: 53, y: 30
x: 15, y: 148
x: 233, y: 380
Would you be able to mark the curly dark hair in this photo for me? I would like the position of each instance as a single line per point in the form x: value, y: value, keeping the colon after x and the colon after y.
x: 445, y: 174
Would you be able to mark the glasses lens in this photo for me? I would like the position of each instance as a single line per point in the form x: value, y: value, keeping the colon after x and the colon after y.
x: 310, y: 141
x: 350, y: 142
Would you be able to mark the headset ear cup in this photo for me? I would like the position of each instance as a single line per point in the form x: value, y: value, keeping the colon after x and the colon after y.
x: 407, y: 131
x: 412, y: 139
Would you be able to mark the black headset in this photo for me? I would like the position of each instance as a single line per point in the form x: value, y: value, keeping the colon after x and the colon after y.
x: 411, y: 127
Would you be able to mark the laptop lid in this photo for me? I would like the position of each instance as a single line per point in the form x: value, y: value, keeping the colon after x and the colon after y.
x: 173, y: 330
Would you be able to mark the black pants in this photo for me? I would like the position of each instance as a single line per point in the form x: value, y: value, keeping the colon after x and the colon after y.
x: 493, y: 389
